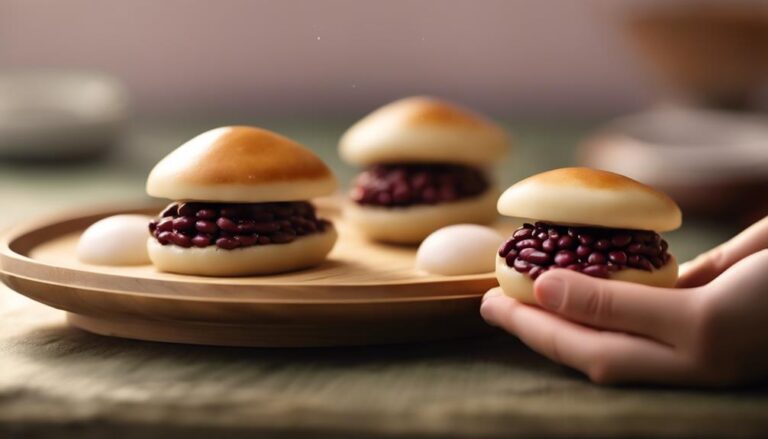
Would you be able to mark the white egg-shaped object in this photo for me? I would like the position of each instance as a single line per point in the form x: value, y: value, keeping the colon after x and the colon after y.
x: 459, y: 249
x: 115, y: 240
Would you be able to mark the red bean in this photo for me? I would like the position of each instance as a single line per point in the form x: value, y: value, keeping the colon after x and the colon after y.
x: 636, y: 261
x: 180, y: 240
x: 522, y: 233
x: 227, y: 225
x: 618, y: 257
x: 246, y: 240
x: 183, y: 223
x: 510, y: 258
x: 206, y: 226
x: 207, y: 213
x: 521, y: 266
x: 534, y: 256
x: 565, y: 257
x: 186, y: 209
x: 536, y: 271
x: 596, y: 271
x: 227, y: 243
x: 585, y: 239
x: 506, y: 247
x: 574, y: 267
x: 602, y: 244
x: 165, y: 224
x: 583, y: 251
x: 164, y: 238
x: 530, y: 242
x: 201, y: 240
x: 596, y: 258
x: 566, y: 242
x: 621, y: 240
x: 549, y: 245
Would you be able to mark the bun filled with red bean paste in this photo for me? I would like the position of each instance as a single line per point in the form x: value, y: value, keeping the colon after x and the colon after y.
x: 597, y: 223
x: 241, y: 205
x: 425, y: 167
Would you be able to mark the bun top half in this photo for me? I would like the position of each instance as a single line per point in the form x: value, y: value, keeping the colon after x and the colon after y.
x: 423, y: 129
x: 240, y: 164
x: 584, y: 196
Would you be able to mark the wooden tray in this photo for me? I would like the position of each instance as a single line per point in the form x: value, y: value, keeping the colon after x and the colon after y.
x: 364, y: 293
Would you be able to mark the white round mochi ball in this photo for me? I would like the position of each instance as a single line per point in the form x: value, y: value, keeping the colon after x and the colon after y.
x: 115, y: 240
x: 459, y: 249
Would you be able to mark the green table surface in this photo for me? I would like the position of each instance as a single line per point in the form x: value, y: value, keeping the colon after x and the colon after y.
x: 59, y: 381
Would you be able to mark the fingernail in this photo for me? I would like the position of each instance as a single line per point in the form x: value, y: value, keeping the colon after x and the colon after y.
x: 551, y: 292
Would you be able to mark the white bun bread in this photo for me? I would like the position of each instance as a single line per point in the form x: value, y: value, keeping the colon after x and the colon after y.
x: 584, y: 196
x: 410, y: 225
x: 423, y: 129
x: 304, y: 252
x: 240, y: 164
x: 520, y: 286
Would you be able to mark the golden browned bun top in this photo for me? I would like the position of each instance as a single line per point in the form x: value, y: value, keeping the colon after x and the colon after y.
x: 240, y: 164
x: 423, y: 129
x: 585, y: 196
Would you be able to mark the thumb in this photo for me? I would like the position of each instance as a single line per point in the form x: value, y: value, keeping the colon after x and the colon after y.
x: 614, y: 305
x: 709, y: 265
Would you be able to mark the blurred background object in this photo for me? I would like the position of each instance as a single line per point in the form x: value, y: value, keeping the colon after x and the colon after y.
x: 711, y: 53
x: 54, y: 115
x: 713, y: 163
x: 709, y: 149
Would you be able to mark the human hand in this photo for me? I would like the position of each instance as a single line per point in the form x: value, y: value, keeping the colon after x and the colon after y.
x: 709, y: 265
x: 712, y: 333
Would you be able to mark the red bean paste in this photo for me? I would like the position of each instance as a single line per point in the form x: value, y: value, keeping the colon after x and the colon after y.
x: 229, y: 226
x: 535, y: 248
x: 401, y: 185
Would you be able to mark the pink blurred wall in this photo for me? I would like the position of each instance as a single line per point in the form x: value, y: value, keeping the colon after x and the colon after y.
x: 555, y: 57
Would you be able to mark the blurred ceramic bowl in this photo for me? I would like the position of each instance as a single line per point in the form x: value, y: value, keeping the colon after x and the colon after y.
x: 713, y: 163
x: 60, y: 115
x: 712, y: 53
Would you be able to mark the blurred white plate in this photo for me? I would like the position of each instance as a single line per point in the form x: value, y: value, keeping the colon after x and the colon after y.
x: 51, y: 115
x: 677, y: 145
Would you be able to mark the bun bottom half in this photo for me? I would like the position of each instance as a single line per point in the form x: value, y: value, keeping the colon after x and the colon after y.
x: 520, y: 286
x: 304, y: 252
x: 410, y: 225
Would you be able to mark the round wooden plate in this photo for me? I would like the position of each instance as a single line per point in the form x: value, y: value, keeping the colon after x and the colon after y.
x: 364, y: 293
